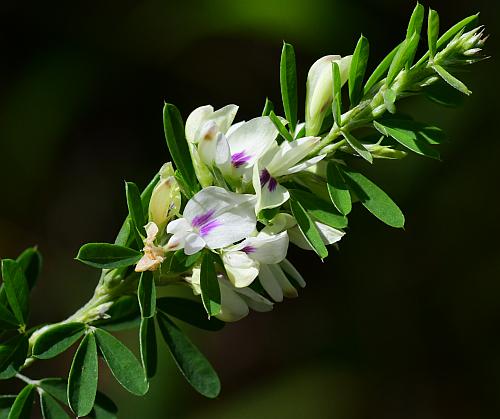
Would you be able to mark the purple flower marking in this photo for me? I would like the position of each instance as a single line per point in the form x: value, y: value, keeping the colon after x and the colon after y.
x: 239, y: 159
x: 248, y: 249
x: 205, y: 223
x: 266, y: 178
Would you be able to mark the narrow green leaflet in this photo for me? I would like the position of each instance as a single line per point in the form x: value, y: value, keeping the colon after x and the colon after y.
x: 146, y: 293
x: 51, y: 409
x: 13, y: 353
x: 30, y: 262
x: 178, y: 262
x: 280, y: 127
x: 190, y: 361
x: 405, y: 51
x: 124, y: 237
x: 83, y: 376
x: 178, y: 146
x: 288, y: 82
x: 209, y: 284
x: 336, y: 94
x: 308, y: 228
x: 16, y: 288
x: 23, y: 405
x: 374, y: 199
x: 6, y: 403
x: 189, y: 311
x: 337, y: 189
x: 7, y: 319
x: 104, y: 408
x: 56, y: 387
x: 122, y: 362
x: 56, y: 339
x: 358, y: 147
x: 318, y: 209
x: 432, y: 31
x: 136, y: 211
x: 448, y: 35
x: 416, y: 20
x: 381, y: 70
x: 451, y: 80
x: 390, y: 100
x: 107, y: 256
x: 268, y: 107
x: 149, y: 355
x: 443, y: 94
x: 402, y: 132
x: 357, y: 71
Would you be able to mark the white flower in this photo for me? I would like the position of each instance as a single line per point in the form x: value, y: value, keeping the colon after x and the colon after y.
x: 203, y: 117
x: 275, y: 282
x: 165, y: 200
x: 320, y: 89
x: 242, y: 261
x: 281, y: 160
x: 328, y: 234
x: 235, y: 302
x: 153, y: 255
x: 213, y: 218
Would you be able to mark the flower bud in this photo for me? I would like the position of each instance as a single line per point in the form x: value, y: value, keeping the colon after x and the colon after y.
x: 166, y: 198
x: 319, y: 94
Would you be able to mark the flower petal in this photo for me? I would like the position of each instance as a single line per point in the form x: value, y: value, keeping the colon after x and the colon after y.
x: 269, y: 192
x: 290, y: 270
x: 289, y: 154
x: 233, y: 307
x: 269, y: 283
x: 329, y: 235
x: 193, y: 244
x: 241, y: 269
x: 179, y: 226
x: 195, y: 120
x: 266, y: 248
x: 254, y: 300
x: 306, y: 164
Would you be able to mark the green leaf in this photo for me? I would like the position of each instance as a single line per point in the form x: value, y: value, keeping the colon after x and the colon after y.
x: 107, y: 256
x: 56, y: 339
x: 209, y: 284
x: 149, y: 355
x: 280, y: 127
x: 7, y: 319
x: 448, y: 35
x: 13, y: 353
x: 390, y: 100
x: 308, y: 228
x: 451, y: 80
x: 6, y: 403
x: 357, y: 71
x: 268, y: 108
x: 104, y: 408
x: 405, y: 52
x: 318, y: 209
x: 16, y: 289
x: 190, y: 361
x: 337, y: 189
x: 146, y: 294
x: 179, y: 262
x: 136, y: 211
x: 358, y: 147
x: 288, y: 82
x: 124, y: 237
x: 30, y: 262
x: 56, y: 387
x: 122, y: 362
x: 83, y: 376
x: 381, y: 69
x: 178, y: 146
x: 432, y: 31
x: 50, y: 408
x: 374, y: 199
x: 416, y: 21
x: 408, y: 136
x: 23, y: 405
x: 189, y: 311
x: 336, y: 94
x: 124, y: 314
x: 443, y: 94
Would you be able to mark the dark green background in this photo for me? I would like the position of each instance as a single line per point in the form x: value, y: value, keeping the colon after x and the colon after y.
x: 398, y: 324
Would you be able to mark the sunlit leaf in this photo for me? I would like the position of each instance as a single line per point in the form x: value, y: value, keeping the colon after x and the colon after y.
x: 288, y: 82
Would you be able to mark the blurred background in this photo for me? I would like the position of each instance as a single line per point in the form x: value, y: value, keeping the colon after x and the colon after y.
x: 397, y: 324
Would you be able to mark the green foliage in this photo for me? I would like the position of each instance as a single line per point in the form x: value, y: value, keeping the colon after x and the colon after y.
x: 7, y: 320
x: 17, y: 289
x: 451, y: 80
x: 107, y: 256
x: 288, y: 82
x: 13, y: 352
x: 83, y: 375
x: 6, y: 403
x: 268, y: 108
x: 337, y: 189
x: 374, y: 199
x: 189, y: 311
x: 23, y: 405
x: 280, y: 127
x: 50, y: 408
x: 432, y: 32
x: 179, y: 149
x: 336, y: 94
x: 405, y: 53
x: 190, y: 361
x: 146, y: 294
x: 148, y: 348
x: 209, y: 284
x: 308, y: 228
x: 359, y: 148
x: 136, y: 212
x: 380, y: 70
x: 56, y: 339
x: 357, y: 70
